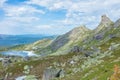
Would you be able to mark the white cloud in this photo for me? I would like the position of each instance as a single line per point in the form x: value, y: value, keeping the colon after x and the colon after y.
x: 2, y: 2
x: 25, y: 19
x: 39, y: 27
x: 78, y: 12
x: 21, y: 10
x: 7, y: 27
x: 18, y: 17
x: 81, y: 12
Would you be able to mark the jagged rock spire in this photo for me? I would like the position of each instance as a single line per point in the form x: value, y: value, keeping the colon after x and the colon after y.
x: 105, y: 22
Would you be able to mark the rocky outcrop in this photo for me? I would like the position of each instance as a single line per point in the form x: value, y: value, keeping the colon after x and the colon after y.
x: 105, y: 22
x: 77, y: 49
x: 98, y: 37
x: 6, y: 62
x: 117, y: 23
x: 52, y: 73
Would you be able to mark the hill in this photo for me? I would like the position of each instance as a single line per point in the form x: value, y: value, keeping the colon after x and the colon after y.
x: 86, y: 54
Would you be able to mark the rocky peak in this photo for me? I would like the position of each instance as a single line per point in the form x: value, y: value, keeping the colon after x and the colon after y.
x: 79, y: 29
x: 105, y: 19
x: 78, y: 33
x: 105, y: 22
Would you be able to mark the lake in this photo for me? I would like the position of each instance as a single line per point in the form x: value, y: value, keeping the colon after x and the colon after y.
x: 13, y: 40
x: 19, y: 53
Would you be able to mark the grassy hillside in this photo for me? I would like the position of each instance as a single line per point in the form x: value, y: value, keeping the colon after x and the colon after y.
x: 93, y: 58
x: 98, y: 66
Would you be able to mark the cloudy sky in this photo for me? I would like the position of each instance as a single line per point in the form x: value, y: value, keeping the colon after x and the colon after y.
x: 53, y: 16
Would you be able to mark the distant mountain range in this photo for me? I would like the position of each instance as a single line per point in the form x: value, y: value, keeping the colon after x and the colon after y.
x: 12, y: 40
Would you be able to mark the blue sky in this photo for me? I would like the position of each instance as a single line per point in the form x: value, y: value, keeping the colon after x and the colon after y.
x: 53, y: 16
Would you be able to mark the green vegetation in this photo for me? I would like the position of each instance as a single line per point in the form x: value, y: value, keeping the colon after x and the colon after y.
x: 95, y: 61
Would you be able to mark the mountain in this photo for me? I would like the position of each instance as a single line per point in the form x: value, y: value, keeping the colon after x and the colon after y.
x: 86, y: 54
x: 78, y: 36
x: 61, y: 44
x: 69, y: 39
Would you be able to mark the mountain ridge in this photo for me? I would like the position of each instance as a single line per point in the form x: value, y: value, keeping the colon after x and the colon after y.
x: 76, y: 37
x: 83, y: 55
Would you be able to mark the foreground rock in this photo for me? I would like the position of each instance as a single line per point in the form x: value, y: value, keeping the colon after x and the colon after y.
x: 52, y: 73
x: 29, y: 77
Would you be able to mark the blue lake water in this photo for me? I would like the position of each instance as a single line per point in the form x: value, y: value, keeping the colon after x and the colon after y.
x: 13, y: 40
x: 19, y: 53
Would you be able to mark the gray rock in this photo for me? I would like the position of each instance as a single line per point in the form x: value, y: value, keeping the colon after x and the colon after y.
x: 71, y: 62
x: 112, y: 36
x: 77, y: 49
x: 117, y: 23
x: 98, y: 37
x: 105, y: 22
x: 1, y: 79
x: 6, y: 62
x: 88, y: 53
x: 52, y: 73
x: 1, y: 59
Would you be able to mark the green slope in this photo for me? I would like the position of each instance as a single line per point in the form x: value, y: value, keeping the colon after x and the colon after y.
x: 97, y: 66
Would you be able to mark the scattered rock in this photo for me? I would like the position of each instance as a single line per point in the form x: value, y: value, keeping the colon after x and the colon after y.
x: 27, y: 69
x: 72, y: 62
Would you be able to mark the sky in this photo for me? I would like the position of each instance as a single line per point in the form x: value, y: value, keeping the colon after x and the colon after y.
x: 53, y: 16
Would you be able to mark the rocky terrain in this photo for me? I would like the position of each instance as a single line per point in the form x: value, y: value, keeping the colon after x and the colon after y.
x: 80, y: 54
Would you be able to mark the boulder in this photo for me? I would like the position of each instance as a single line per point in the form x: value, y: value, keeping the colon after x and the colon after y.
x: 52, y: 73
x: 28, y: 77
x: 72, y: 62
x: 98, y: 37
x: 88, y: 53
x: 6, y: 62
x: 112, y: 36
x: 77, y: 49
